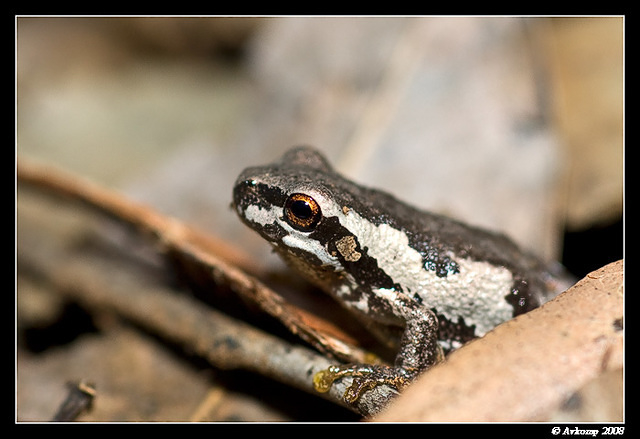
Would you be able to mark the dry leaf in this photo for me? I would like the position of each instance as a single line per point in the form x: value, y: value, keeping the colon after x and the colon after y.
x: 528, y: 367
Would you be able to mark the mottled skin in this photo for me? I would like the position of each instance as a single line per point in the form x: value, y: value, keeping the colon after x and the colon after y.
x: 441, y: 281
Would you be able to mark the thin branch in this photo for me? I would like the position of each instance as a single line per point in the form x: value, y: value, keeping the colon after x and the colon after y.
x: 79, y: 399
x: 103, y: 283
x: 223, y: 263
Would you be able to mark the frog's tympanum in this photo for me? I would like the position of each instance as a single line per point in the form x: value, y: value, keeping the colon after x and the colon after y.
x: 440, y: 281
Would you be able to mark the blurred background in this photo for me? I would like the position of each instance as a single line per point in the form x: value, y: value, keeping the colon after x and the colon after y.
x: 514, y: 124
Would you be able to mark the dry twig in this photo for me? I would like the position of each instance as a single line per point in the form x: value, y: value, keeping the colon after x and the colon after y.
x: 101, y: 283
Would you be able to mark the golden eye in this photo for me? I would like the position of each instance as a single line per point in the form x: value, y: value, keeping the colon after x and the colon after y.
x: 302, y: 212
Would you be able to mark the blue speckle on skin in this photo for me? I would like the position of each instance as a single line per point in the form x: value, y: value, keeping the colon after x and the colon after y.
x: 443, y: 267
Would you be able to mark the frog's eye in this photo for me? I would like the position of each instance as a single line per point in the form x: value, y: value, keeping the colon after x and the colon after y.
x: 302, y: 212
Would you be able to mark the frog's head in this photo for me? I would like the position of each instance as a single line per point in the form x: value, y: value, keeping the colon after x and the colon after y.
x: 289, y: 202
x: 284, y: 198
x: 312, y: 216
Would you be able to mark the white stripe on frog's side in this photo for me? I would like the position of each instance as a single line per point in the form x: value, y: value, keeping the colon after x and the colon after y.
x: 477, y: 293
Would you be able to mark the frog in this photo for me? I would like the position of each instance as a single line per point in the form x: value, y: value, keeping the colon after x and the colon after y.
x: 421, y: 281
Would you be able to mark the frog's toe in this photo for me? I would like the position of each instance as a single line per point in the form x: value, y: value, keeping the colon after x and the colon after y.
x: 365, y: 378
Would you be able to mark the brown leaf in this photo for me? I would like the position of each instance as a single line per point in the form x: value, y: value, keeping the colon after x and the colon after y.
x: 527, y: 368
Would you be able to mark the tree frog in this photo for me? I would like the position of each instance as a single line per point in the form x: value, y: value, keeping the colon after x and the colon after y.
x: 427, y: 282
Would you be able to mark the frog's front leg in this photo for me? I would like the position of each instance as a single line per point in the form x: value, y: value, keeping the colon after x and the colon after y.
x: 419, y: 350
